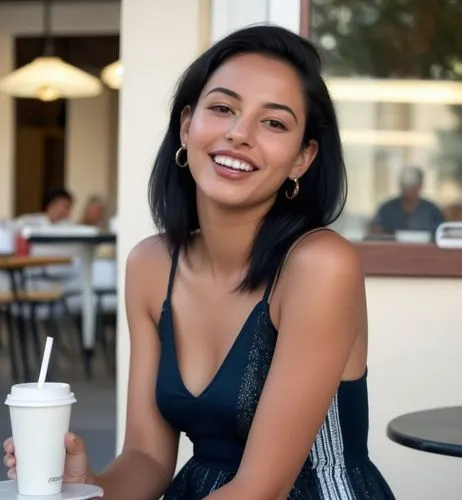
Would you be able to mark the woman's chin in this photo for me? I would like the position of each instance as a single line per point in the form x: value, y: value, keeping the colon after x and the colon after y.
x: 232, y: 203
x: 234, y: 200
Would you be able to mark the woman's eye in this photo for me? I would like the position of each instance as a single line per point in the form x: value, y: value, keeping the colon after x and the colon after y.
x: 275, y: 124
x: 220, y: 108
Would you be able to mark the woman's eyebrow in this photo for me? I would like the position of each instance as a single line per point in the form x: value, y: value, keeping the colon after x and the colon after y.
x: 267, y: 105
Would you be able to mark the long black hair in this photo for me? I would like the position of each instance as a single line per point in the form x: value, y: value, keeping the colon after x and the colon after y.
x: 172, y: 190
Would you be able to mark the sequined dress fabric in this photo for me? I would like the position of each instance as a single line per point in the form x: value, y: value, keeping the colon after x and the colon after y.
x: 218, y: 420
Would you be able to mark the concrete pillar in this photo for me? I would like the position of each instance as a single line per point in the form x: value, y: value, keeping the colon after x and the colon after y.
x: 7, y: 124
x: 159, y: 39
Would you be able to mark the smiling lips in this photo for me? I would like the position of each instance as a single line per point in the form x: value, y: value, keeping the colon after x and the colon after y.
x: 233, y: 164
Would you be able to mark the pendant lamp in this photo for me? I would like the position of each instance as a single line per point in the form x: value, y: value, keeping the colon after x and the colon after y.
x: 48, y: 77
x: 112, y: 75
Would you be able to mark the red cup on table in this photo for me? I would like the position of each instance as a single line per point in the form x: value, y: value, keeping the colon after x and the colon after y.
x: 21, y: 245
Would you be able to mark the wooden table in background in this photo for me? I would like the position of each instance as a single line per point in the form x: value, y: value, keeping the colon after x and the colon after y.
x: 15, y: 262
x: 86, y: 245
x: 14, y: 266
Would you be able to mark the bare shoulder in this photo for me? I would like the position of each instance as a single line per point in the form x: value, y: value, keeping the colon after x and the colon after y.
x: 322, y: 284
x: 147, y: 271
x: 325, y: 250
x: 152, y: 248
x: 323, y: 255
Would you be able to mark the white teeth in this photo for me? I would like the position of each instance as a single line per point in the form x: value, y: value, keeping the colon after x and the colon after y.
x: 232, y: 163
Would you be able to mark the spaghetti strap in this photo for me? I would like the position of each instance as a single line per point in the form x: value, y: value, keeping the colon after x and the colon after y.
x: 269, y: 286
x: 274, y: 280
x: 171, y: 278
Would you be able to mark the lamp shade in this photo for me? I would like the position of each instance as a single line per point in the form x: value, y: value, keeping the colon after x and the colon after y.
x: 393, y: 90
x: 112, y: 75
x: 50, y: 78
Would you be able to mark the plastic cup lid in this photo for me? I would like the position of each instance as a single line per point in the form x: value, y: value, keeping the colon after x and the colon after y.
x: 51, y: 394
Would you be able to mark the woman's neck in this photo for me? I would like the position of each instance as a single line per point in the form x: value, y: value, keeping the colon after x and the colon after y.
x: 226, y: 237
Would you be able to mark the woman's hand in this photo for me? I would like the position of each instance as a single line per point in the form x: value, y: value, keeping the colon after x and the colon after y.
x: 77, y: 468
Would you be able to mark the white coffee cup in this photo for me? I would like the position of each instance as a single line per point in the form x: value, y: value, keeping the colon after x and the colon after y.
x: 39, y: 421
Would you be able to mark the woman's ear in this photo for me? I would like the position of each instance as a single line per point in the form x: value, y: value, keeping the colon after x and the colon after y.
x: 185, y: 123
x: 304, y: 160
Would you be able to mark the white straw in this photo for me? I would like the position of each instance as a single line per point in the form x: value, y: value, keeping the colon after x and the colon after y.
x: 45, y: 362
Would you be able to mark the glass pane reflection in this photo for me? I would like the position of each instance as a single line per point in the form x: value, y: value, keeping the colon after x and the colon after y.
x: 395, y: 72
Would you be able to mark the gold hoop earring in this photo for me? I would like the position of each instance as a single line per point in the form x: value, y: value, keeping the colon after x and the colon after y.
x: 291, y: 196
x: 178, y: 157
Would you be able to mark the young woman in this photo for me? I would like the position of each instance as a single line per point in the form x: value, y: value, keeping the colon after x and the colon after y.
x: 247, y: 316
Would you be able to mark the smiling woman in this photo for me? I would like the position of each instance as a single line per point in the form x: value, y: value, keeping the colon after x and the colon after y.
x: 247, y: 315
x: 242, y: 94
x: 259, y: 138
x: 257, y: 316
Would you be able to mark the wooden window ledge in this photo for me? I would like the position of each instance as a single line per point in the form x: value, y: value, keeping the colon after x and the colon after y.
x: 409, y: 260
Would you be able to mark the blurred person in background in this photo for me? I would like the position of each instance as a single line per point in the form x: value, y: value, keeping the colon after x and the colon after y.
x: 409, y: 211
x: 94, y: 212
x: 57, y: 207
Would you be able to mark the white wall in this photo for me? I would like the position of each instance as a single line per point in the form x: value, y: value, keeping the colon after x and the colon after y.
x: 172, y: 43
x: 6, y: 131
x: 72, y: 18
x: 414, y: 363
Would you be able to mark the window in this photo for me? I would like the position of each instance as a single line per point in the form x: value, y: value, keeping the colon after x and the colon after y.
x: 394, y: 69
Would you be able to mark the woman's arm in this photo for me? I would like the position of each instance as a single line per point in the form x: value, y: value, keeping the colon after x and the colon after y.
x: 147, y: 463
x: 322, y: 308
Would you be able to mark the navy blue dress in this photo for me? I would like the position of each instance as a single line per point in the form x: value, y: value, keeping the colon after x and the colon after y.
x: 218, y: 421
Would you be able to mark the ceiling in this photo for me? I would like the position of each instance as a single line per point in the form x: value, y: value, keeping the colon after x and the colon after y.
x: 89, y: 52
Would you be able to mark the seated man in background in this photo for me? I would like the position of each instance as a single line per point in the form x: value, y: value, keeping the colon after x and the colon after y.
x: 408, y: 211
x: 57, y: 206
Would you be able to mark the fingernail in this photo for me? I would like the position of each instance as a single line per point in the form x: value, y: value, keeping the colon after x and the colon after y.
x: 73, y: 438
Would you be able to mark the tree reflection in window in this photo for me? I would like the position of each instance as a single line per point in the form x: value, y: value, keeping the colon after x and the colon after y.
x: 390, y: 38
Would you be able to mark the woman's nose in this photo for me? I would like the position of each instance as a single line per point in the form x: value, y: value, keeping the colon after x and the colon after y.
x: 241, y: 132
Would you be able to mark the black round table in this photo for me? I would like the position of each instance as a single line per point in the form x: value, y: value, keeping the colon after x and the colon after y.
x: 434, y: 431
